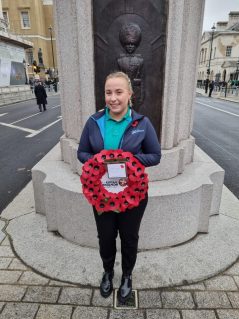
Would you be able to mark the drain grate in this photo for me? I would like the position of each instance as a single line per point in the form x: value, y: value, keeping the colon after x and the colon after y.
x: 131, y: 303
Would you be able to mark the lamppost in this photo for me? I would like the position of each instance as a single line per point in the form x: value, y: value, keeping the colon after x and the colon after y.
x: 52, y: 51
x: 210, y: 57
x: 237, y: 70
x: 25, y: 69
x: 55, y: 81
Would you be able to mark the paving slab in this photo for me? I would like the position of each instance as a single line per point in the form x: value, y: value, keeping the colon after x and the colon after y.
x: 31, y: 278
x: 42, y: 294
x: 126, y: 314
x: 77, y: 296
x: 11, y: 292
x: 221, y: 283
x: 5, y: 262
x: 211, y: 299
x: 91, y: 313
x: 16, y: 264
x: 5, y: 242
x: 236, y: 278
x: 162, y: 314
x: 177, y: 299
x: 228, y: 314
x: 6, y: 251
x: 9, y: 276
x: 1, y: 305
x: 234, y: 299
x: 2, y: 234
x: 149, y: 299
x: 19, y: 311
x: 54, y: 312
x: 198, y: 314
x: 103, y: 302
x: 234, y: 270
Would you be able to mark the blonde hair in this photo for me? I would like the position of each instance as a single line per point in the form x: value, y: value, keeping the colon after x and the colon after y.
x: 119, y: 74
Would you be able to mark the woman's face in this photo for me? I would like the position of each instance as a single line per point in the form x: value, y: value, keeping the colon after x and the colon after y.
x: 117, y: 96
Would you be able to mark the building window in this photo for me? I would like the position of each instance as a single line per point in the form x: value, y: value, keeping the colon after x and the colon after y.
x: 229, y: 51
x: 5, y: 17
x: 205, y: 54
x: 201, y: 56
x: 25, y: 19
x: 214, y: 54
x: 29, y: 56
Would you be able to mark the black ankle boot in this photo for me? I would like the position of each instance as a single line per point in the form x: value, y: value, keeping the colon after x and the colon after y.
x: 106, y: 286
x: 125, y: 288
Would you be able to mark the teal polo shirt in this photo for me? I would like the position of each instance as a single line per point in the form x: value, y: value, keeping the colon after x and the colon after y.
x: 114, y: 130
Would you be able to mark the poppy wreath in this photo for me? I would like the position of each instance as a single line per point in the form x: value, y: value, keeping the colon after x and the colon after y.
x: 103, y: 200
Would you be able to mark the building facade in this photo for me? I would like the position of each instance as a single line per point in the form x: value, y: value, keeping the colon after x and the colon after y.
x: 12, y: 57
x: 33, y: 21
x: 219, y: 53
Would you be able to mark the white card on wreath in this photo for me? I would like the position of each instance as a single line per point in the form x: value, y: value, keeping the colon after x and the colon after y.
x: 116, y: 170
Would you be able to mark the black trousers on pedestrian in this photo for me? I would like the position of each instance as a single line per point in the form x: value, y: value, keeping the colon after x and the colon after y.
x: 127, y: 224
x: 44, y: 107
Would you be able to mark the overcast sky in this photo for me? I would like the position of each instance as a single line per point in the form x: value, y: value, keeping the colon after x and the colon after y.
x: 217, y: 10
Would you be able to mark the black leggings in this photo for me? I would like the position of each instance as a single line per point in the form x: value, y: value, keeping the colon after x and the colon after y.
x: 127, y: 224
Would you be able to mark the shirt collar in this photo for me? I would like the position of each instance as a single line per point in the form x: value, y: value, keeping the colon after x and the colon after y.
x: 126, y: 117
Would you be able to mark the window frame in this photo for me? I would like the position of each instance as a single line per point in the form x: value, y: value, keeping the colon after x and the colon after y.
x: 227, y: 50
x: 6, y: 20
x: 29, y: 56
x: 6, y: 11
x: 21, y: 18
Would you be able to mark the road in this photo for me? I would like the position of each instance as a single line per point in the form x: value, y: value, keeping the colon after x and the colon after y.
x: 26, y: 135
x: 216, y: 130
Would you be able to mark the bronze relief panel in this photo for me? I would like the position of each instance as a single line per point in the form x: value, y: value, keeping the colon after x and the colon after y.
x: 130, y: 35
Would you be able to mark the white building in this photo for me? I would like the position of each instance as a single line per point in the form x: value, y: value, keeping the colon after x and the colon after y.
x: 219, y: 51
x: 12, y: 55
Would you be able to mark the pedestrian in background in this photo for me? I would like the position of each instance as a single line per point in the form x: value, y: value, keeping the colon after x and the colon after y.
x: 108, y: 129
x: 211, y: 87
x: 41, y: 96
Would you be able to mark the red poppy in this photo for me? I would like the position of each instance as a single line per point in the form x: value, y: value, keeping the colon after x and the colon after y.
x: 135, y: 123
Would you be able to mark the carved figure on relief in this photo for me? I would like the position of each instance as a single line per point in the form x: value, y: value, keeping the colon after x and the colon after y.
x: 132, y: 64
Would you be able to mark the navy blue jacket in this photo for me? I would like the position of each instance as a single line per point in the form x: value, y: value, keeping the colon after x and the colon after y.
x: 141, y: 140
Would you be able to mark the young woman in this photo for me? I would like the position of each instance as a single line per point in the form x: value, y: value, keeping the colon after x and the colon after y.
x: 112, y: 129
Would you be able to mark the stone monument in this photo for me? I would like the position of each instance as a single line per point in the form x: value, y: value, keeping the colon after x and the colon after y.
x: 40, y: 59
x: 185, y: 188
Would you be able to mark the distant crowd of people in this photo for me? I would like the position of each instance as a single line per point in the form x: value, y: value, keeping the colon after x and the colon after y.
x: 217, y: 85
x: 51, y: 84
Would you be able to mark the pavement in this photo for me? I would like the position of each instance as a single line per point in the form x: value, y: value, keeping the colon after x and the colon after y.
x: 39, y: 272
x: 220, y: 95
